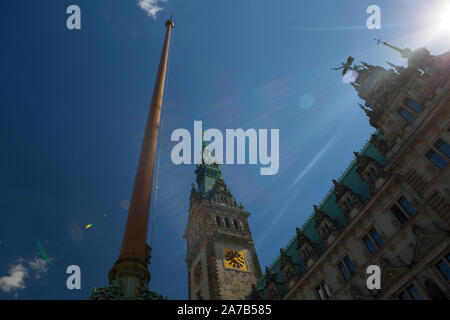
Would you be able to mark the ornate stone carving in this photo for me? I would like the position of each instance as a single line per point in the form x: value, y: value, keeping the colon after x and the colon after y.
x: 379, y: 143
x: 114, y: 292
x: 212, y: 272
x: 198, y: 273
x: 222, y: 195
x: 306, y: 248
x: 284, y: 258
x: 340, y: 189
x: 148, y: 254
x: 374, y: 85
x: 372, y: 113
x: 325, y: 225
x: 146, y: 294
x: 270, y: 277
x: 194, y: 195
x: 346, y: 199
x: 390, y: 273
x: 287, y: 266
x: 255, y: 294
x: 111, y: 292
x: 272, y: 284
x: 425, y: 242
x: 367, y: 166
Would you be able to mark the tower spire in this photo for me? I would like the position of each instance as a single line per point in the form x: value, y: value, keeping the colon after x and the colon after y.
x: 131, y: 270
x: 405, y: 53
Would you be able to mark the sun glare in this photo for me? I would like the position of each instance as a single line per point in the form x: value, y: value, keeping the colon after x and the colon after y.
x: 444, y: 25
x: 437, y: 24
x: 443, y: 20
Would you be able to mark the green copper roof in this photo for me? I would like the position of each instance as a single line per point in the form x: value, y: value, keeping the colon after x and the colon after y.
x: 352, y: 180
x: 207, y: 175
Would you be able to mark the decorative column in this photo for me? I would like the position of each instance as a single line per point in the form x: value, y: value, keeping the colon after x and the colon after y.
x: 131, y: 267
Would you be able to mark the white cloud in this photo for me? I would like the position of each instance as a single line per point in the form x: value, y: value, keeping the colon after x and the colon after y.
x: 15, y: 279
x: 18, y: 272
x: 39, y: 266
x: 152, y: 7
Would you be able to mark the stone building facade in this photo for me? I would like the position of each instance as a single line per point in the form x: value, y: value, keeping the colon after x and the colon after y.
x: 391, y: 207
x: 221, y: 257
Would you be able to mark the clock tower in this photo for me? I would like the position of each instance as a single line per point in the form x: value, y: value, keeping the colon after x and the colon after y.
x: 221, y: 257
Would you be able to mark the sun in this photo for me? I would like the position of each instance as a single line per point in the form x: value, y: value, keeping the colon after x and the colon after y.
x: 437, y: 23
x: 444, y: 19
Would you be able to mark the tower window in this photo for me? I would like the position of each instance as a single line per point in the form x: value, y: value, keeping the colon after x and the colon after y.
x: 401, y: 217
x: 369, y: 244
x: 307, y: 251
x: 373, y: 241
x: 403, y: 210
x: 410, y: 293
x: 323, y: 291
x: 326, y: 230
x: 405, y: 114
x: 218, y: 221
x: 346, y: 267
x: 414, y: 105
x: 444, y: 266
x: 409, y: 208
x: 348, y: 204
x: 437, y: 159
x: 439, y: 154
x: 227, y: 222
x: 443, y: 147
x: 236, y: 224
x: 376, y: 237
x: 372, y: 174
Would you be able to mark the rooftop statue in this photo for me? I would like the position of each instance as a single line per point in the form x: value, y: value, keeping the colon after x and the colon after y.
x: 348, y: 66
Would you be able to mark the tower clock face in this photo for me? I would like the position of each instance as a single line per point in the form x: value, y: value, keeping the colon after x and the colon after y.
x: 234, y: 260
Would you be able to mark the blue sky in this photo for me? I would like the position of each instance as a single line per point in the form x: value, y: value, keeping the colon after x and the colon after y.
x: 74, y: 103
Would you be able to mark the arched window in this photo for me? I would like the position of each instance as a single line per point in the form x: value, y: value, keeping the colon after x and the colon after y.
x: 439, y: 154
x: 326, y: 230
x: 405, y: 114
x: 218, y: 222
x: 348, y: 204
x: 227, y: 222
x: 414, y: 105
x: 372, y: 174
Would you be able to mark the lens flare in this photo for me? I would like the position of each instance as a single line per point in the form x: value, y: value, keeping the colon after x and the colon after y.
x: 42, y: 252
x: 124, y: 204
x: 306, y: 101
x: 88, y: 226
x: 350, y: 76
